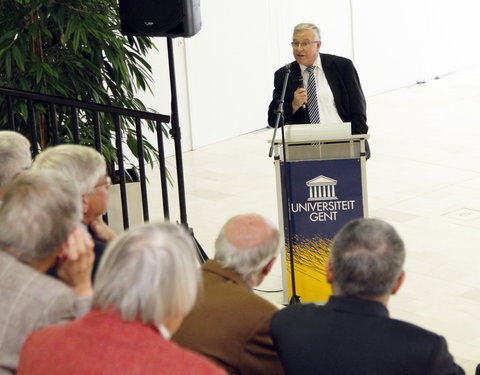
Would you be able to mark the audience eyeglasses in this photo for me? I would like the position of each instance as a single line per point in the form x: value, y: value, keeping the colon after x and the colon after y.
x: 302, y: 44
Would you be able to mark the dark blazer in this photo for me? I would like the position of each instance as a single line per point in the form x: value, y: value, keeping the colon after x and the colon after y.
x: 355, y: 336
x: 231, y: 325
x: 99, y: 247
x: 347, y: 92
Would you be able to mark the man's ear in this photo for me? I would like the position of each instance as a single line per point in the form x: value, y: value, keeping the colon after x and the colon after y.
x: 398, y: 283
x: 266, y: 270
x: 329, y: 272
x: 63, y: 249
x: 84, y: 203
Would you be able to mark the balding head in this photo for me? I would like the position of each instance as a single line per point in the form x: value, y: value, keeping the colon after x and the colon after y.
x: 247, y: 243
x: 248, y: 231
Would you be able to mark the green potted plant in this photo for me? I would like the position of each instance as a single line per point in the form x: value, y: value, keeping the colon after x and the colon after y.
x: 73, y: 49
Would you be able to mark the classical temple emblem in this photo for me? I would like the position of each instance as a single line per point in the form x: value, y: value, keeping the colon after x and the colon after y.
x: 321, y: 188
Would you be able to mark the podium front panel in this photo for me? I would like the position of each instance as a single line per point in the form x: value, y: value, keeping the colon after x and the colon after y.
x: 324, y: 196
x: 323, y: 150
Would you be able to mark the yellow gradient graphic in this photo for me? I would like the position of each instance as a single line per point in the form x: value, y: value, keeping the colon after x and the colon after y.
x: 310, y: 259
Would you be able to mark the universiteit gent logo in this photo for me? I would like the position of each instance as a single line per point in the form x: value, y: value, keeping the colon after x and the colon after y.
x: 323, y: 203
x: 322, y: 188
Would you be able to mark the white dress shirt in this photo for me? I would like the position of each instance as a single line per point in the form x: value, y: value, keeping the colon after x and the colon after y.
x: 326, y: 103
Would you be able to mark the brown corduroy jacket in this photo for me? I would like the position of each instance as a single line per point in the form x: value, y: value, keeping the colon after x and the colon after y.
x: 231, y: 325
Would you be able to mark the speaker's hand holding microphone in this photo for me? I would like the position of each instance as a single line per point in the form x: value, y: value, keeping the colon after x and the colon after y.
x: 299, y: 96
x: 302, y: 86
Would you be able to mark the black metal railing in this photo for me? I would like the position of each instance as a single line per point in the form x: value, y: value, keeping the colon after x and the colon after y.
x: 69, y: 114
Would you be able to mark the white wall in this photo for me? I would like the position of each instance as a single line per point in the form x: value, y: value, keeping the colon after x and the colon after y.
x: 333, y: 18
x: 160, y: 98
x: 400, y: 43
x: 452, y: 38
x: 225, y: 72
x: 227, y: 64
x: 389, y: 43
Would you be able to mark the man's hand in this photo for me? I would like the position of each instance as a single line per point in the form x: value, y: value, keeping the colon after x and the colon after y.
x: 299, y: 98
x: 76, y: 262
x: 102, y: 231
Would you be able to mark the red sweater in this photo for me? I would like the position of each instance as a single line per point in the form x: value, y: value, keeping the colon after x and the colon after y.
x: 103, y: 344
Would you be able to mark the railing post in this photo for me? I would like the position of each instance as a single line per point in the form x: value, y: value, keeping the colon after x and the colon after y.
x: 33, y: 126
x: 163, y: 172
x: 96, y: 131
x: 141, y: 167
x: 11, y: 118
x: 75, y: 131
x: 54, y: 123
x: 121, y: 170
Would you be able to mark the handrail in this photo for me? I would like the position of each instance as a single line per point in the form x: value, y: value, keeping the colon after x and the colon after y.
x: 117, y: 113
x: 83, y: 104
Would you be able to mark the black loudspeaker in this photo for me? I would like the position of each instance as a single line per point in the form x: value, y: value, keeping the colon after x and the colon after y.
x: 160, y: 17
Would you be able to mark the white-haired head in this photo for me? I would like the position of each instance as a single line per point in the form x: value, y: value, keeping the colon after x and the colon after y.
x: 83, y: 165
x: 308, y: 26
x: 15, y: 156
x: 39, y: 211
x: 150, y: 273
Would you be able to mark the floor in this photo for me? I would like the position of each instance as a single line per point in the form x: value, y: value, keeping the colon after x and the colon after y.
x: 423, y: 177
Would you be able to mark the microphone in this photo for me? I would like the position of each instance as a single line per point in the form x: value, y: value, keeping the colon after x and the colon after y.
x: 301, y: 85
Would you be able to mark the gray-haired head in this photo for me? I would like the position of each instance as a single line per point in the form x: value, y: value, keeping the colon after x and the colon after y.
x: 15, y: 156
x: 367, y: 258
x: 247, y: 243
x: 150, y: 273
x: 83, y: 165
x: 308, y: 26
x: 39, y: 211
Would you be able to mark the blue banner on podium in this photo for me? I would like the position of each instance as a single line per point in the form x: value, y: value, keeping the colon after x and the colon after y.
x: 324, y: 196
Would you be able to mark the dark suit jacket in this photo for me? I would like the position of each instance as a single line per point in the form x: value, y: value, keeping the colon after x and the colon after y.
x: 99, y: 247
x: 355, y: 336
x: 344, y: 83
x: 230, y: 324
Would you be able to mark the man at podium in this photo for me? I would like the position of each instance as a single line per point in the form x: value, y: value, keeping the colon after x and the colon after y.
x: 321, y: 88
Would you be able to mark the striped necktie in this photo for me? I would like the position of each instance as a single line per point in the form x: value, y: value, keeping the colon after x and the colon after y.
x: 312, y: 102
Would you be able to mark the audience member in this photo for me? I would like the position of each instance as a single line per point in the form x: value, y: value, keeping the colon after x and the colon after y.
x: 39, y: 221
x: 147, y: 282
x: 86, y: 167
x: 353, y: 333
x: 15, y: 157
x: 229, y: 323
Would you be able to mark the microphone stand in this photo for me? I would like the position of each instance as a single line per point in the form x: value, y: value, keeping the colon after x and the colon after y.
x: 280, y: 118
x: 175, y: 133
